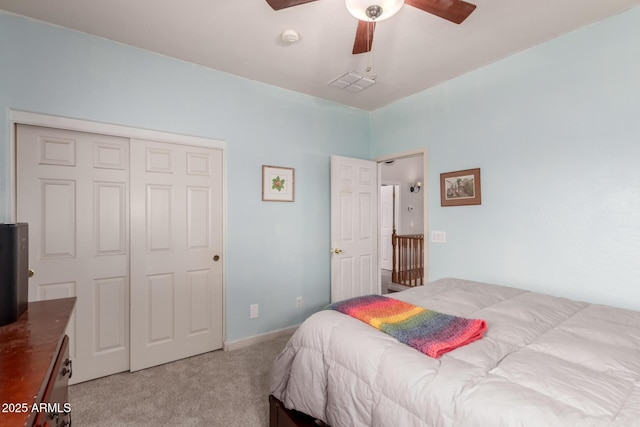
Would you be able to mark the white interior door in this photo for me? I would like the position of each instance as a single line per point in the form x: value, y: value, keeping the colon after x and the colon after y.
x: 354, y: 228
x: 388, y: 215
x: 72, y: 189
x: 176, y: 248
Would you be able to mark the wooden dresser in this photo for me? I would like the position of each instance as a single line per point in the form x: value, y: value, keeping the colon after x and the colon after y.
x: 35, y: 367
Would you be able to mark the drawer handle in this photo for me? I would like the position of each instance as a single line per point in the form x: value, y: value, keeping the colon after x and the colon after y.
x: 64, y: 423
x: 68, y: 370
x: 67, y: 422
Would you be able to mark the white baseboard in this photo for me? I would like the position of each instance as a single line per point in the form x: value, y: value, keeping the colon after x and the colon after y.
x: 246, y: 342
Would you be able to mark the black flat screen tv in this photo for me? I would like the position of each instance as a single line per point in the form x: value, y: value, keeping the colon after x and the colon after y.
x: 14, y: 271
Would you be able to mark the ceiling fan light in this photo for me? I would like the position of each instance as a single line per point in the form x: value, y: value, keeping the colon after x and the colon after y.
x: 358, y: 8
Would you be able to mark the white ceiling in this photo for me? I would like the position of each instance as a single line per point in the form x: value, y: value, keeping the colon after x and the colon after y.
x: 412, y: 51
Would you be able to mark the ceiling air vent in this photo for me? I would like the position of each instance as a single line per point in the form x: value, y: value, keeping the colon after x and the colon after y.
x: 352, y: 82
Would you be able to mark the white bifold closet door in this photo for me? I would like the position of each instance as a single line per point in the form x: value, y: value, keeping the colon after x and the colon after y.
x: 131, y: 228
x: 72, y: 189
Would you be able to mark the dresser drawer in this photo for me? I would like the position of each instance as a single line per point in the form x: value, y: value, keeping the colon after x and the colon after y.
x: 33, y: 354
x: 55, y: 410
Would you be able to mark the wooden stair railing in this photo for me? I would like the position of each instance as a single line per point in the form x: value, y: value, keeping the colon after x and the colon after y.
x: 408, y: 259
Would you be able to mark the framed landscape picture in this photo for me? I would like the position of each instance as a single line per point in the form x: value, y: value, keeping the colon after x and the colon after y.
x: 277, y: 184
x: 460, y: 188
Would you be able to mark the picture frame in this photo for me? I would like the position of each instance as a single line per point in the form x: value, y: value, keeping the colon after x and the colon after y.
x: 460, y: 188
x: 278, y: 184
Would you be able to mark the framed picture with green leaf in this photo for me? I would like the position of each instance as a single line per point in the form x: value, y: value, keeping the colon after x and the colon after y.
x: 277, y: 184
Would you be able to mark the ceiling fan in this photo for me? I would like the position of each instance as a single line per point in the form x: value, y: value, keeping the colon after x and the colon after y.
x: 455, y: 11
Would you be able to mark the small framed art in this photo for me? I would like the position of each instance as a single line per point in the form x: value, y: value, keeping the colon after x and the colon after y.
x: 460, y: 188
x: 277, y: 184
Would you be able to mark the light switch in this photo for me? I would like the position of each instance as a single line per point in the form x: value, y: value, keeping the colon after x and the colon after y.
x: 439, y: 236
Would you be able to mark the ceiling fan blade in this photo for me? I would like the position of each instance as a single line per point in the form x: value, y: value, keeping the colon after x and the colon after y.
x: 283, y: 4
x: 364, y: 37
x: 455, y: 11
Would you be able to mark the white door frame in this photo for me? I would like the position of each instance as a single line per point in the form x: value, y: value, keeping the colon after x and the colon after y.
x: 36, y: 119
x: 425, y: 202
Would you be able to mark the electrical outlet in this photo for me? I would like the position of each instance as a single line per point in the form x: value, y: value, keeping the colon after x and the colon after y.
x: 253, y: 311
x: 299, y: 302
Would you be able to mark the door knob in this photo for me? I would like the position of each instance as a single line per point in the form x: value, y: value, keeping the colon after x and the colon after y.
x: 336, y: 251
x: 31, y: 273
x: 216, y: 257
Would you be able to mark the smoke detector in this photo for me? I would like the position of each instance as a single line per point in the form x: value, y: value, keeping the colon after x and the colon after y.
x: 290, y: 36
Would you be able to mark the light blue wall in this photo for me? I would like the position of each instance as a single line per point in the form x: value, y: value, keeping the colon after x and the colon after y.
x: 554, y: 129
x: 556, y: 133
x: 276, y: 251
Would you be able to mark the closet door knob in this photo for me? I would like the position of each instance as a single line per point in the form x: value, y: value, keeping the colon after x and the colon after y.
x: 216, y: 257
x: 31, y: 273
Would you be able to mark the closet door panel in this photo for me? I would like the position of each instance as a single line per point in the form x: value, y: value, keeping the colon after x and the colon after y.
x: 72, y: 190
x: 176, y: 246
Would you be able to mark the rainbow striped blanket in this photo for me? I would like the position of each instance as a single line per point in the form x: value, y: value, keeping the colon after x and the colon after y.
x: 427, y: 331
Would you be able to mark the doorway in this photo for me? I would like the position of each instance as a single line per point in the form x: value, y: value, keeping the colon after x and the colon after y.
x: 403, y: 210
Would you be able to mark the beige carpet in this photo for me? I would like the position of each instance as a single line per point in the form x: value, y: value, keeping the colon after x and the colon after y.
x: 214, y: 389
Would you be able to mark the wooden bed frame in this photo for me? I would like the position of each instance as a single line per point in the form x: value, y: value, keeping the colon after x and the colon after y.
x: 279, y: 416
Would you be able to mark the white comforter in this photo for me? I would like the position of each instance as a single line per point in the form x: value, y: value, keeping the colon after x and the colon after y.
x: 545, y: 361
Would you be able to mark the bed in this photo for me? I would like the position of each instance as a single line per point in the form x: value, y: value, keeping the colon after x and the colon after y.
x: 544, y: 361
